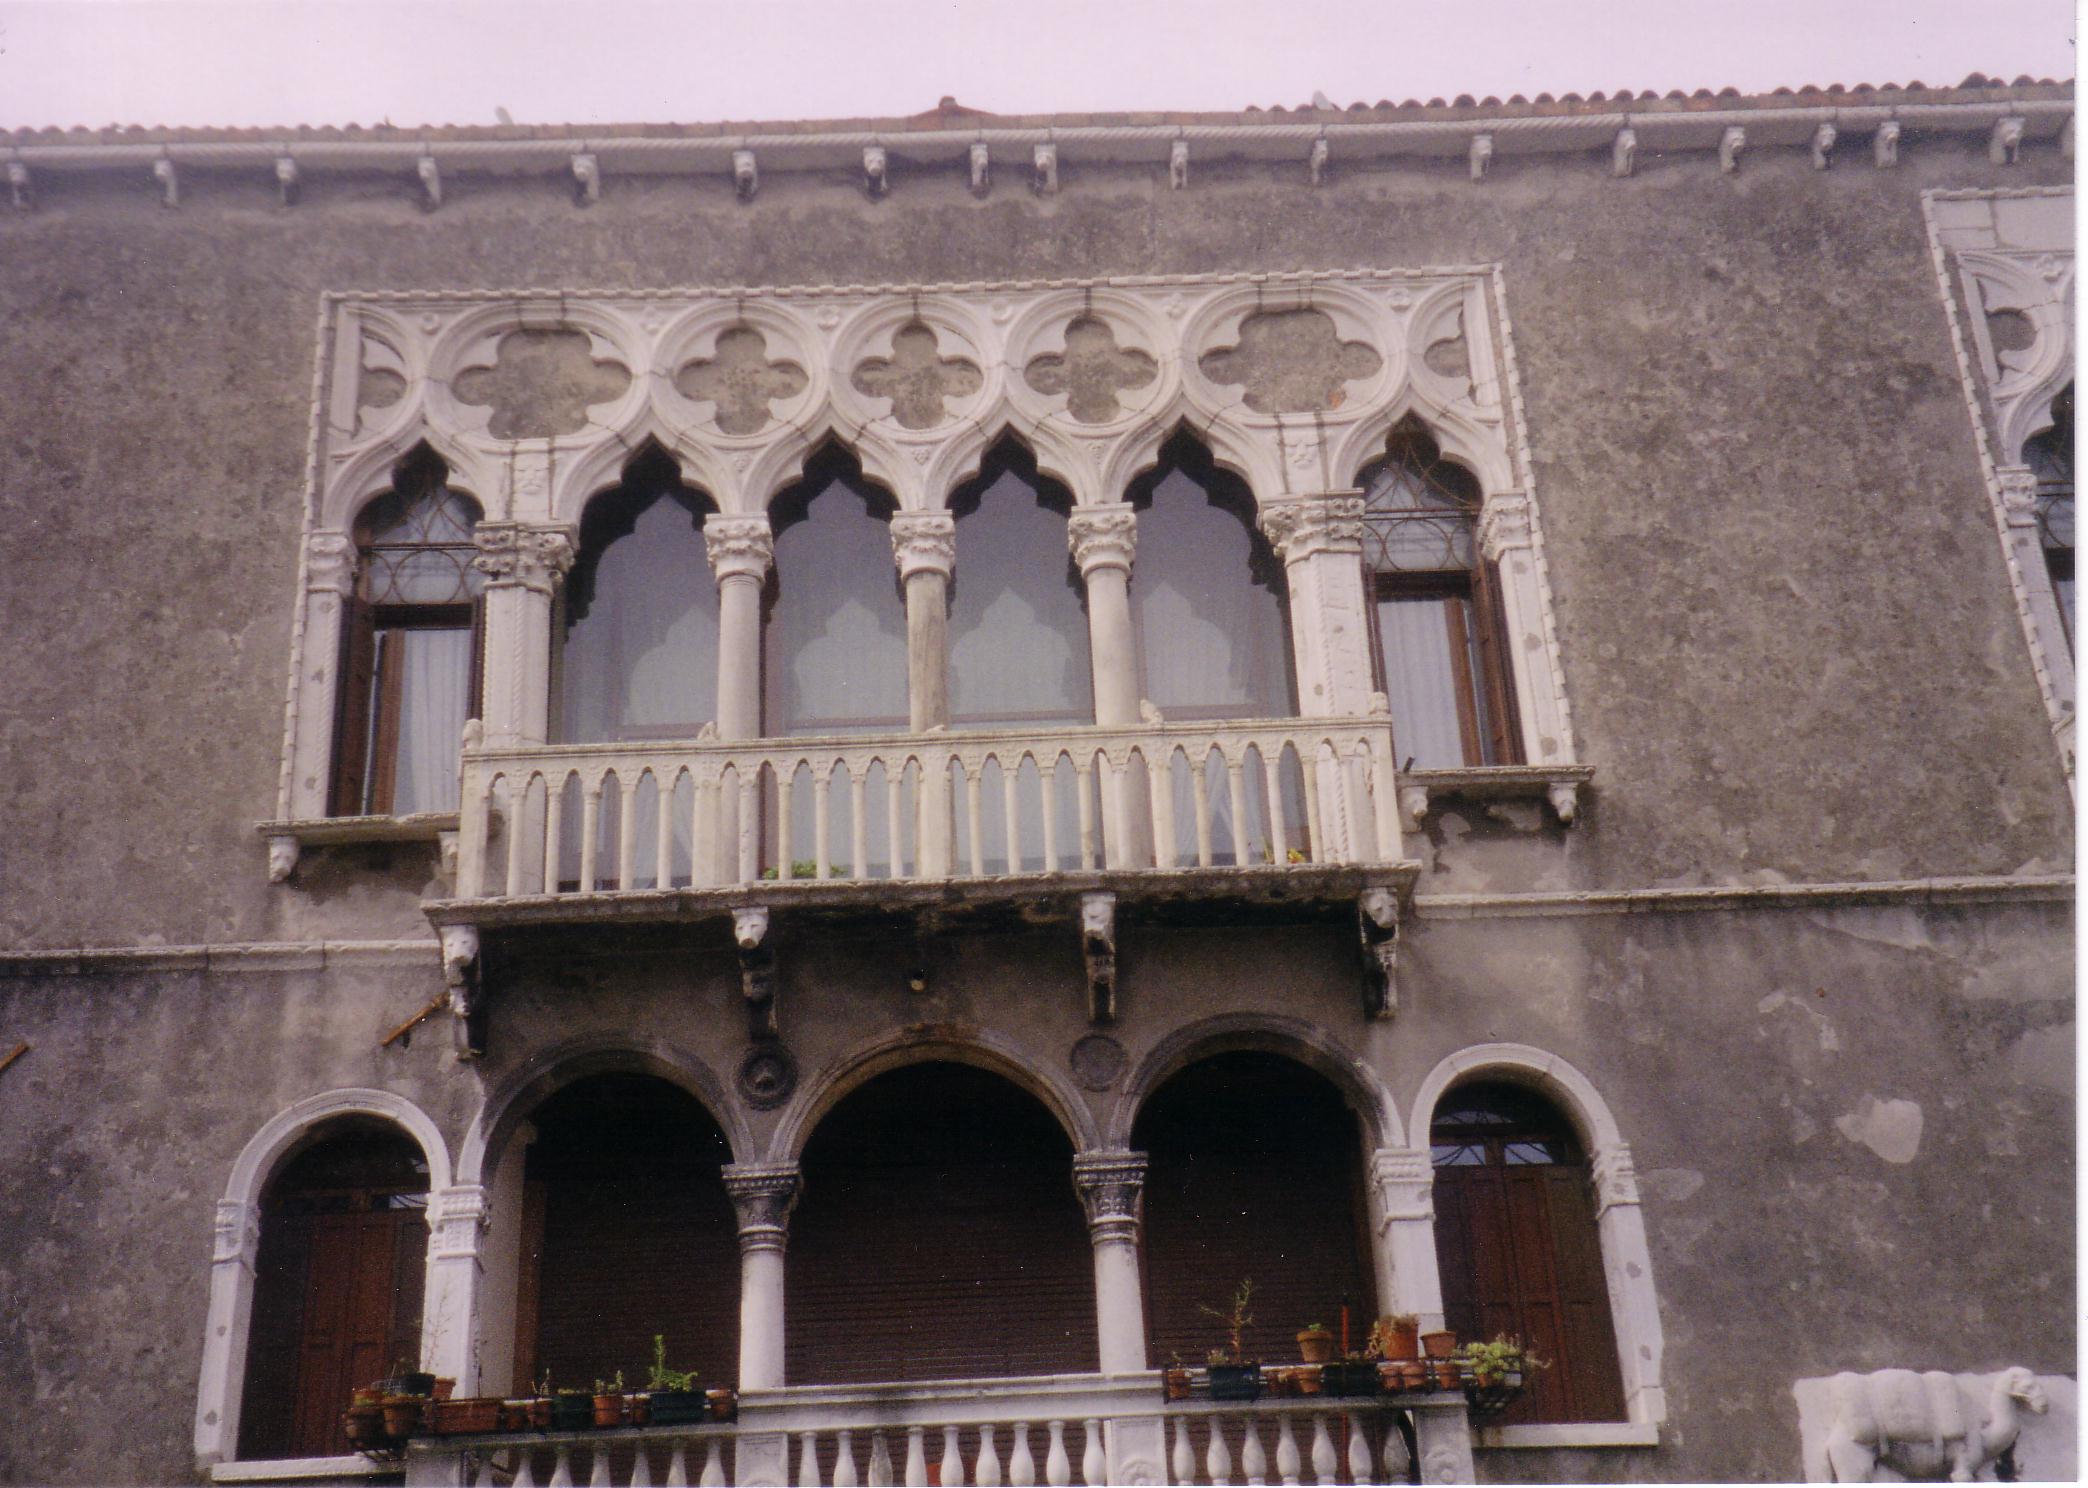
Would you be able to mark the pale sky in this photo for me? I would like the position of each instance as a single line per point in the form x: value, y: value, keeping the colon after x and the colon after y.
x: 411, y: 62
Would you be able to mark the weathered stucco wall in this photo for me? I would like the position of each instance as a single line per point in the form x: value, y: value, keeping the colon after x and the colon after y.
x: 1788, y: 635
x: 1870, y: 1169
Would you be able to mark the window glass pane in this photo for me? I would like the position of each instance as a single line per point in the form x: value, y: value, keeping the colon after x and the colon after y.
x: 836, y: 639
x: 1457, y: 1155
x: 643, y: 661
x: 1421, y: 678
x: 434, y: 695
x: 1210, y: 633
x: 1418, y: 517
x: 1018, y: 637
x: 1531, y: 1154
x: 420, y: 549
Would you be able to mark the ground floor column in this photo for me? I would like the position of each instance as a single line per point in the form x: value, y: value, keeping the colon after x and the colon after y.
x: 1109, y: 1183
x: 763, y: 1197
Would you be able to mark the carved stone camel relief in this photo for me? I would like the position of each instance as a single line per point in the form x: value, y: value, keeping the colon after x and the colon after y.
x: 1924, y: 1426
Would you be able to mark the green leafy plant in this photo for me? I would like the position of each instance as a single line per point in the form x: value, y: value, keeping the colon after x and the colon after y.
x: 1379, y: 1345
x: 610, y: 1386
x: 662, y: 1378
x: 807, y: 868
x: 1502, y: 1356
x: 1237, y: 1320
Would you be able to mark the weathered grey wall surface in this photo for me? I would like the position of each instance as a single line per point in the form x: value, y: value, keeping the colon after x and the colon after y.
x: 1789, y: 643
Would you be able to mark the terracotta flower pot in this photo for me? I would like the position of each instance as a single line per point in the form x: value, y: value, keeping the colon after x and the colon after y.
x: 1446, y: 1374
x: 637, y: 1409
x: 1402, y: 1343
x: 444, y: 1388
x: 723, y: 1404
x: 1176, y: 1383
x: 540, y: 1413
x: 1315, y: 1345
x: 1308, y: 1379
x: 402, y: 1416
x: 608, y: 1410
x: 1439, y: 1344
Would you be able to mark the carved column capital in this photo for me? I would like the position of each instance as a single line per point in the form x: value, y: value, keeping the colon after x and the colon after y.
x: 457, y: 1218
x: 331, y: 560
x: 763, y: 1194
x: 236, y: 1233
x: 1110, y: 1181
x: 1616, y: 1179
x: 523, y: 556
x: 1320, y: 522
x: 739, y: 547
x: 2018, y: 494
x: 924, y: 542
x: 1504, y: 523
x: 1103, y: 536
x: 1405, y: 1179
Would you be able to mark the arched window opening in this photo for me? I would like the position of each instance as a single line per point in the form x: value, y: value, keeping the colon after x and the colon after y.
x: 1254, y: 1171
x: 337, y: 1286
x: 1437, y: 638
x: 626, y: 1233
x: 939, y: 1237
x: 1018, y: 635
x: 1208, y: 598
x: 640, y: 659
x: 2050, y: 458
x: 1518, y: 1248
x: 411, y: 652
x: 835, y: 639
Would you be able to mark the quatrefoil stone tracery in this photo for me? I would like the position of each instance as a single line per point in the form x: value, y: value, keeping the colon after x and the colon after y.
x: 1092, y: 372
x: 541, y: 384
x: 742, y: 381
x: 917, y: 379
x: 1291, y: 361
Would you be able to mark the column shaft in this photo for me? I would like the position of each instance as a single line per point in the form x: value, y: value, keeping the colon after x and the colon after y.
x: 763, y: 1197
x: 526, y: 565
x: 739, y: 656
x: 1110, y: 1183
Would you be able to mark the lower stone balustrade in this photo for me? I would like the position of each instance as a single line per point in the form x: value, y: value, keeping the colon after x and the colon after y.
x: 1057, y: 1430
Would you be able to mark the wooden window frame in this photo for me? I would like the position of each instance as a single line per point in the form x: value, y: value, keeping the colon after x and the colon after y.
x: 366, y: 734
x: 1487, y: 726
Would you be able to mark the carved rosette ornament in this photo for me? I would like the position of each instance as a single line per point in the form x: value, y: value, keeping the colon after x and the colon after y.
x: 762, y: 1196
x: 1103, y: 536
x: 1109, y: 1183
x: 1504, y: 524
x: 739, y: 547
x: 330, y: 563
x: 518, y: 555
x: 1323, y: 522
x: 924, y: 542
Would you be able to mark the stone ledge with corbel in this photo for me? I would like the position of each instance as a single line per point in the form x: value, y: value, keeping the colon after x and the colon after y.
x: 1423, y: 792
x: 289, y: 840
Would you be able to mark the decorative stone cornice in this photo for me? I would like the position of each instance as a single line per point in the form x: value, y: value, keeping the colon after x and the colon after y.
x: 763, y: 1196
x: 739, y: 547
x: 1405, y: 1179
x: 1616, y: 1180
x: 523, y: 556
x: 1109, y: 1182
x: 1103, y: 536
x: 1320, y: 522
x: 924, y: 542
x: 330, y: 563
x: 1504, y: 524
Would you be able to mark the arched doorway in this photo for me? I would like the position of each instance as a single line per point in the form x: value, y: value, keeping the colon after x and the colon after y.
x: 627, y: 1233
x: 1518, y: 1248
x: 939, y: 1236
x: 337, y: 1287
x: 1254, y: 1171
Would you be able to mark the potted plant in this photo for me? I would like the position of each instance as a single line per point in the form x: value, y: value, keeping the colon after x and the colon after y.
x: 609, y: 1401
x: 469, y: 1417
x: 1396, y: 1335
x: 722, y: 1403
x: 1316, y: 1343
x: 673, y: 1398
x: 1497, y: 1369
x: 1232, y: 1376
x: 571, y: 1410
x: 405, y: 1381
x: 364, y: 1421
x: 1176, y: 1378
x: 1440, y: 1344
x: 402, y: 1416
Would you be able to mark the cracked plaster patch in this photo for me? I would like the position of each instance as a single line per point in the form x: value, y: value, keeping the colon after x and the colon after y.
x: 1890, y: 1128
x: 1092, y: 372
x: 541, y: 384
x: 1291, y: 361
x: 741, y: 381
x: 917, y: 378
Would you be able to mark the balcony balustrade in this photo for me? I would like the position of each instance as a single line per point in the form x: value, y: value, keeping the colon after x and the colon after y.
x: 1058, y: 1430
x: 873, y: 810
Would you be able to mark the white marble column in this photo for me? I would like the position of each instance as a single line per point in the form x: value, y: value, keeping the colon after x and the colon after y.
x: 235, y: 1244
x: 1110, y: 1182
x: 329, y: 577
x: 1403, y: 1232
x: 924, y: 545
x: 449, y: 1317
x: 1507, y: 540
x: 1104, y: 539
x: 763, y: 1196
x: 741, y: 550
x: 526, y: 564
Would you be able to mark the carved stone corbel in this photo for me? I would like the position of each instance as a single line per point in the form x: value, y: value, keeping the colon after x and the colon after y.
x: 18, y: 182
x: 1730, y: 144
x: 1413, y: 805
x: 1885, y: 145
x: 1624, y: 152
x: 746, y: 178
x: 1377, y: 923
x: 1098, y: 950
x: 1823, y: 147
x: 1480, y: 155
x: 463, y: 974
x: 282, y: 858
x: 1316, y: 162
x: 1044, y: 170
x: 757, y: 963
x: 2006, y: 140
x: 981, y: 168
x: 875, y: 180
x: 1565, y: 800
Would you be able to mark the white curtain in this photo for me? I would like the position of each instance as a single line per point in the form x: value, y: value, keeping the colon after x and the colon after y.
x: 434, y: 694
x: 1421, y: 680
x: 643, y: 661
x: 837, y: 637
